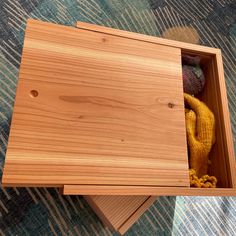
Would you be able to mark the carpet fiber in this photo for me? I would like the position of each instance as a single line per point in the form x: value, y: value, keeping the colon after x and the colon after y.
x: 40, y: 211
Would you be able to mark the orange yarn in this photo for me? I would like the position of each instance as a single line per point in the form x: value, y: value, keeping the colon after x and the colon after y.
x: 200, y: 126
x: 205, y: 181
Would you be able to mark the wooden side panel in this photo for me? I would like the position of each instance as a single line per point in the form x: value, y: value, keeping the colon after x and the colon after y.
x: 146, y: 38
x: 137, y: 214
x: 227, y: 134
x: 115, y: 209
x: 214, y: 95
x: 144, y: 190
x: 119, y: 212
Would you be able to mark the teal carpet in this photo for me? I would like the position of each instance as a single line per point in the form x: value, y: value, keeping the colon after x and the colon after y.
x: 40, y: 211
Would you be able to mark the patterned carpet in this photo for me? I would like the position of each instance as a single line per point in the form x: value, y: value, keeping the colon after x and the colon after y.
x: 40, y: 211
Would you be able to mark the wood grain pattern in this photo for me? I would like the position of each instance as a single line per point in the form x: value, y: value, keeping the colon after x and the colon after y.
x: 192, y: 48
x: 144, y: 190
x: 229, y: 158
x: 119, y: 212
x: 222, y: 154
x: 137, y: 214
x: 114, y: 211
x: 96, y: 109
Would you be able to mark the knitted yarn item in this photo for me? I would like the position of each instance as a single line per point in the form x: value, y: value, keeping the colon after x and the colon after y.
x: 200, y: 128
x: 190, y: 60
x: 193, y: 79
x: 205, y: 181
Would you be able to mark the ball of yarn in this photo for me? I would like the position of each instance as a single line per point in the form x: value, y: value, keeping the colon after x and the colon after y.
x: 191, y: 60
x: 193, y: 79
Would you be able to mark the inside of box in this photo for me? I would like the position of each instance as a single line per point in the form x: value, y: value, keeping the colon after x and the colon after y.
x: 210, y: 95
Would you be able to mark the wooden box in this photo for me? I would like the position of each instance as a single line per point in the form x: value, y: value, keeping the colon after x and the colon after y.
x: 117, y: 212
x: 100, y: 111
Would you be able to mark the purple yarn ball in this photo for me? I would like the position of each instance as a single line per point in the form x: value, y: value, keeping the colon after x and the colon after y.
x: 193, y: 79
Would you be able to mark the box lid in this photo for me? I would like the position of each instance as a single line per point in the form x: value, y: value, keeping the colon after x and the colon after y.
x: 96, y: 109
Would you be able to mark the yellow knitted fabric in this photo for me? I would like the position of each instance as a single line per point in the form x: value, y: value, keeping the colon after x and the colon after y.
x: 205, y: 181
x: 200, y: 126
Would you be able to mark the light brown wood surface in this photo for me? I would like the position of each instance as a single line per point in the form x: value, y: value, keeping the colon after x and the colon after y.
x: 192, y: 48
x: 143, y: 190
x: 115, y: 211
x: 119, y: 212
x: 136, y: 215
x: 96, y: 109
x: 225, y: 121
x: 214, y: 95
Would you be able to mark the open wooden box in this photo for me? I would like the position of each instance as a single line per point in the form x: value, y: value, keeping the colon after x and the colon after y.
x: 69, y: 69
x: 52, y: 52
x: 214, y: 95
x: 120, y: 212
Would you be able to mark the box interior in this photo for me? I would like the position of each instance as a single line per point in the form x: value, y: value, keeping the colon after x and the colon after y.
x: 219, y: 156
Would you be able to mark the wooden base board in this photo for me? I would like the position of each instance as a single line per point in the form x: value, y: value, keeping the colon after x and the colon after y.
x: 119, y: 213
